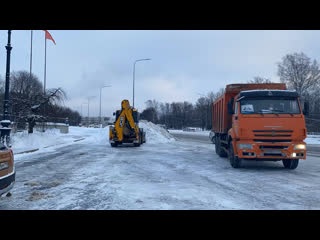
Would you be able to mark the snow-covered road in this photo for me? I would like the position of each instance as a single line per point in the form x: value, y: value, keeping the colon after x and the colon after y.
x: 89, y: 174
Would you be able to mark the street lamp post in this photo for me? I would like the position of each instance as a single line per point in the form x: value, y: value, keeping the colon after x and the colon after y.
x: 81, y: 108
x: 134, y: 70
x: 100, y: 103
x: 5, y: 123
x: 88, y: 107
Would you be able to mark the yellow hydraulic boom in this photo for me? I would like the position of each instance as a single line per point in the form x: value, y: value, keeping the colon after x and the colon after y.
x: 126, y: 127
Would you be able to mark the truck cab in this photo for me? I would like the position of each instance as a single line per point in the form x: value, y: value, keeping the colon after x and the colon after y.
x: 264, y: 124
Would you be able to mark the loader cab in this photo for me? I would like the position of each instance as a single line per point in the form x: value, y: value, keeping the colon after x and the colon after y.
x: 117, y: 114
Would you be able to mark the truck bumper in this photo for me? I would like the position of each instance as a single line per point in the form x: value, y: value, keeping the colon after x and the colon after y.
x: 271, y: 151
x: 7, y: 182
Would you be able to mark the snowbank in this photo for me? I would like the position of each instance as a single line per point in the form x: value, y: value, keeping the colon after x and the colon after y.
x: 155, y: 134
x: 201, y: 133
x: 22, y: 141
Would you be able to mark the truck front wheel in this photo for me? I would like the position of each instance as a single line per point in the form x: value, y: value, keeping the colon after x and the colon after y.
x: 234, y: 160
x: 290, y: 163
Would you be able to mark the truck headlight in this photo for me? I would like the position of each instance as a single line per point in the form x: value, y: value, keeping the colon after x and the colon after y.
x: 4, y: 165
x: 245, y: 146
x: 300, y: 147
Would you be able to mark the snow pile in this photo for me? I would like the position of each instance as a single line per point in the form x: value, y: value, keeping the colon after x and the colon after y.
x: 312, y: 139
x: 198, y: 133
x: 155, y: 134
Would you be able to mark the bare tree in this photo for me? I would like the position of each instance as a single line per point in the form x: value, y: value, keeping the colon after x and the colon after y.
x: 32, y: 113
x: 299, y: 72
x: 28, y: 98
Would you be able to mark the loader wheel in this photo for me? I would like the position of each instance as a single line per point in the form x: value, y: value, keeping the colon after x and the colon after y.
x: 114, y: 144
x: 234, y: 160
x: 136, y: 144
x: 290, y: 163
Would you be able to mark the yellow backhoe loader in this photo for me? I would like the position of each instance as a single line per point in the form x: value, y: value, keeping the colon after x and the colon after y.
x: 126, y: 127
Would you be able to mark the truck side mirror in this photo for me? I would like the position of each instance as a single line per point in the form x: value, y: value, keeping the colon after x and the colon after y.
x: 306, y: 108
x: 114, y: 113
x: 230, y: 106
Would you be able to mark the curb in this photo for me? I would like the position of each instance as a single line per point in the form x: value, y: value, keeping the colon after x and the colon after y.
x: 28, y: 151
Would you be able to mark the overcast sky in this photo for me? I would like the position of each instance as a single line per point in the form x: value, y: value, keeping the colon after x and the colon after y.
x: 184, y: 65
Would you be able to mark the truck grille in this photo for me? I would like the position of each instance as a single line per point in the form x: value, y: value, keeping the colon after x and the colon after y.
x: 272, y: 136
x: 262, y: 147
x: 273, y: 154
x: 273, y: 140
x: 272, y: 133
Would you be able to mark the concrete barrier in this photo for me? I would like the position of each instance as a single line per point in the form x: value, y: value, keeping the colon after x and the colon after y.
x: 64, y: 128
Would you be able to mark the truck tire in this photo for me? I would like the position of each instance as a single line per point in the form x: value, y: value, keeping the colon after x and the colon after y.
x: 218, y: 148
x: 290, y: 163
x: 216, y: 144
x: 234, y: 160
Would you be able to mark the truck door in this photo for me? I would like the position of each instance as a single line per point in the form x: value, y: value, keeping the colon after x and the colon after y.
x: 235, y: 120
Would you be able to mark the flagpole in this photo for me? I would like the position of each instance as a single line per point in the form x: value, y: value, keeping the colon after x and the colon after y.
x: 45, y: 63
x: 44, y: 81
x: 31, y: 54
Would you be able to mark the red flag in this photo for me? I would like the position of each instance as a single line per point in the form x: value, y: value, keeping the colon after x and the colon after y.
x: 48, y: 36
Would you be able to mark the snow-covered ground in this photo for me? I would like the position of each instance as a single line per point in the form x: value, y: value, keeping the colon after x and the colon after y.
x: 22, y: 141
x: 162, y: 174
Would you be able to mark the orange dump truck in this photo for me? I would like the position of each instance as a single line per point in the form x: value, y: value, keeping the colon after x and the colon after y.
x: 260, y: 122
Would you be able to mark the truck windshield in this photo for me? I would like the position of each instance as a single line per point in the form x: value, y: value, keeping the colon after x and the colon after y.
x: 269, y: 105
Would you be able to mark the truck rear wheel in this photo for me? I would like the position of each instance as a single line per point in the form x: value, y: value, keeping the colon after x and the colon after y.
x: 218, y: 148
x: 234, y: 160
x: 290, y: 163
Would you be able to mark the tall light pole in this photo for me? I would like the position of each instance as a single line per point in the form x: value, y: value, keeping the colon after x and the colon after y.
x: 134, y: 72
x: 100, y: 102
x: 81, y: 108
x: 88, y: 107
x: 5, y: 123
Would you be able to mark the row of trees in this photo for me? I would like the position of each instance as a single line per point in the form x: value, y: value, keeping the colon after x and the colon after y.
x: 297, y: 70
x: 179, y: 115
x: 29, y: 103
